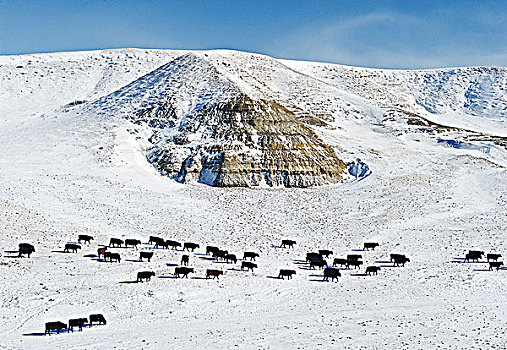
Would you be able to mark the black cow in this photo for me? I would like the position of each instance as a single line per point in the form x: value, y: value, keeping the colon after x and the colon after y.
x: 132, y: 242
x: 368, y: 245
x: 99, y: 318
x: 480, y: 253
x: 25, y: 248
x: 190, y: 246
x: 115, y: 242
x: 288, y: 243
x: 313, y: 256
x: 496, y: 264
x: 145, y: 275
x: 325, y: 253
x: 372, y: 269
x: 354, y: 257
x: 73, y: 247
x: 287, y: 273
x: 210, y: 249
x: 185, y: 260
x: 493, y: 257
x: 113, y: 256
x: 77, y: 322
x: 320, y: 263
x: 332, y: 273
x: 250, y: 255
x: 214, y: 273
x: 340, y: 261
x: 54, y: 326
x: 401, y: 260
x: 172, y: 244
x: 355, y: 263
x: 394, y: 256
x: 155, y: 239
x: 231, y: 258
x: 107, y: 255
x: 472, y: 256
x: 161, y: 243
x: 248, y: 265
x: 84, y: 238
x: 220, y: 254
x: 183, y: 271
x: 145, y: 255
x: 310, y: 256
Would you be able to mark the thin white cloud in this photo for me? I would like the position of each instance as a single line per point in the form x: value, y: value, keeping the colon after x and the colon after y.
x: 387, y: 39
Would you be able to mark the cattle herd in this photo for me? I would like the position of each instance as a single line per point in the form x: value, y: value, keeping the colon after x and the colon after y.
x: 313, y: 259
x: 492, y: 258
x: 59, y: 326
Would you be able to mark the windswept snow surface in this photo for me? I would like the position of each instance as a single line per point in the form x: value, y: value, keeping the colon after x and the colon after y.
x: 472, y: 98
x: 66, y: 170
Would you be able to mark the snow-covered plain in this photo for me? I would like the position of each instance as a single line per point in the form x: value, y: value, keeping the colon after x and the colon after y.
x: 67, y: 170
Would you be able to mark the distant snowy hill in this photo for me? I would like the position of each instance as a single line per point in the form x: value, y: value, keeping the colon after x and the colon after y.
x: 228, y: 118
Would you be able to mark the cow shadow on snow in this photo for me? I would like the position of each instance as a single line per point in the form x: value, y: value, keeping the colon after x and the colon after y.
x: 15, y: 252
x: 468, y: 262
x: 206, y: 258
x: 305, y: 268
x: 494, y: 269
x: 42, y: 334
x: 38, y: 334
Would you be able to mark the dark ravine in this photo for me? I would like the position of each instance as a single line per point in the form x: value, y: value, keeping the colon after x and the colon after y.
x: 245, y: 142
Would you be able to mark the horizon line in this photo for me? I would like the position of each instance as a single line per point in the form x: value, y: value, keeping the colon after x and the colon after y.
x: 35, y: 53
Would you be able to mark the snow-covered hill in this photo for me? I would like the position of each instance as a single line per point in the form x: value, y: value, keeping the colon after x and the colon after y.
x: 89, y: 142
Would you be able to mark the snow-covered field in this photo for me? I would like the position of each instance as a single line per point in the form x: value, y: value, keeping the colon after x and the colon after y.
x: 65, y: 171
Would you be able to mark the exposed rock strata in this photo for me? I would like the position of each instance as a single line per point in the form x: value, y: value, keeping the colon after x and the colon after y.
x: 245, y: 142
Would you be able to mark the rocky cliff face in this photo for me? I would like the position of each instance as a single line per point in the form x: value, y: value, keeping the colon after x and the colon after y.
x: 246, y: 142
x: 211, y: 127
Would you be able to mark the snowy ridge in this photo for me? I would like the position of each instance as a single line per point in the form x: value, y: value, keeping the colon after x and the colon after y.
x: 64, y: 78
x: 473, y: 98
x: 190, y: 81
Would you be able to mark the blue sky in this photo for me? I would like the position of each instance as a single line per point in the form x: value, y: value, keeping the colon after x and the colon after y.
x: 384, y: 33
